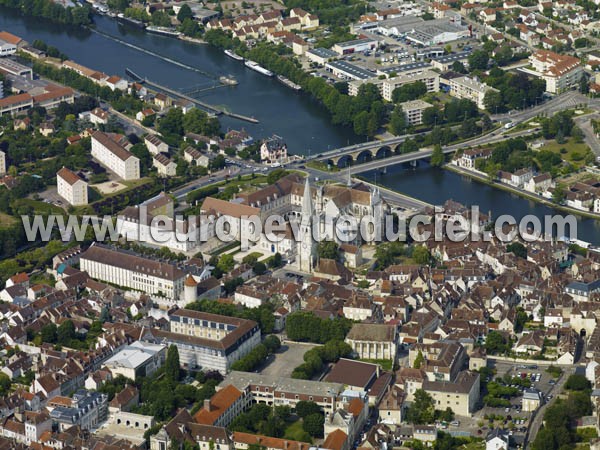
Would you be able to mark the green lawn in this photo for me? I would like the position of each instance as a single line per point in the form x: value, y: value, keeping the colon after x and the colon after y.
x: 6, y: 221
x: 386, y: 364
x: 295, y: 432
x: 575, y: 152
x: 39, y: 207
x: 319, y: 165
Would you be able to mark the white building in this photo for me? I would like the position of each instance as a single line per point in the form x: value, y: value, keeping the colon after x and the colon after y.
x: 6, y: 48
x: 165, y: 166
x: 210, y: 341
x: 134, y: 272
x: 429, y: 77
x: 195, y: 157
x: 116, y: 82
x: 497, y: 440
x: 87, y: 410
x: 155, y: 145
x: 561, y: 72
x: 355, y: 46
x: 140, y: 223
x: 115, y: 157
x: 2, y: 162
x: 470, y: 89
x: 98, y: 116
x: 72, y: 188
x: 373, y: 341
x: 140, y: 359
x: 413, y: 110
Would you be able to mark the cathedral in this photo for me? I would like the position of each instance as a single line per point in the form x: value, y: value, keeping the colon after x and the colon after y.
x: 312, y: 206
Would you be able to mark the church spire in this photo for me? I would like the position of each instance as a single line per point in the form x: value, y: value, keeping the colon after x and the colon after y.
x: 307, y: 205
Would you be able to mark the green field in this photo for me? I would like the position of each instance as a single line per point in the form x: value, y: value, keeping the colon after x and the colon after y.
x: 575, y: 152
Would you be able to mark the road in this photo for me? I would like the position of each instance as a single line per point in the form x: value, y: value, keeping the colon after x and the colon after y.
x: 538, y: 418
x: 585, y: 124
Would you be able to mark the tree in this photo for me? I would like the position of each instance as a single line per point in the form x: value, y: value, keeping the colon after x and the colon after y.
x: 459, y: 67
x: 419, y: 360
x: 185, y: 12
x: 65, y: 332
x: 447, y: 415
x: 559, y: 194
x: 577, y: 382
x: 48, y: 333
x: 313, y: 424
x: 328, y: 250
x: 226, y: 263
x: 493, y: 101
x: 517, y: 249
x: 478, y: 60
x: 276, y: 260
x: 398, y: 121
x: 5, y: 384
x: 422, y: 410
x: 495, y: 343
x: 172, y: 369
x: 259, y: 268
x: 306, y: 408
x: 437, y: 157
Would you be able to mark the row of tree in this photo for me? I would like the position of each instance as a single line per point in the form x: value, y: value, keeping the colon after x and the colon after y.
x: 47, y: 9
x: 305, y: 326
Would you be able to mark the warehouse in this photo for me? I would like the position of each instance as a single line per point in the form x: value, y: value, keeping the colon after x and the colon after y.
x: 445, y: 62
x: 437, y: 32
x: 345, y: 70
x: 402, y: 68
x: 321, y: 55
x: 355, y: 46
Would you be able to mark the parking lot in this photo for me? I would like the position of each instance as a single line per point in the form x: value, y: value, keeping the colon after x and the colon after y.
x: 289, y: 356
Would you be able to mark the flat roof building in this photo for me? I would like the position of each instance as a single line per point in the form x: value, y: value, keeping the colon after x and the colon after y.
x: 429, y: 77
x: 445, y: 62
x: 413, y: 110
x: 354, y: 46
x: 343, y: 69
x: 470, y: 89
x: 321, y: 55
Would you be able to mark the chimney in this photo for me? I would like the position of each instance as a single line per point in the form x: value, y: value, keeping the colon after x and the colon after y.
x: 207, y: 405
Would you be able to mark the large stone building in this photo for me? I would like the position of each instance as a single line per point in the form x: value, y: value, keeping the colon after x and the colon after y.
x: 86, y: 409
x: 469, y: 89
x: 281, y: 391
x: 373, y: 341
x: 429, y: 77
x: 561, y: 72
x: 71, y: 187
x: 125, y: 269
x: 208, y: 341
x: 115, y: 157
x: 460, y: 395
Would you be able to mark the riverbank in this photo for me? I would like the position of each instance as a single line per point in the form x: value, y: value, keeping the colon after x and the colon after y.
x: 520, y: 192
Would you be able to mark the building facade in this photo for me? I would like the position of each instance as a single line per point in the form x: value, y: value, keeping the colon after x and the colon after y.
x: 72, y: 188
x: 115, y: 157
x: 133, y: 272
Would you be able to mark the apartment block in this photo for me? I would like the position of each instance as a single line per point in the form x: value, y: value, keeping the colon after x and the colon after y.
x: 71, y: 187
x: 429, y: 77
x: 135, y: 272
x: 413, y: 110
x: 470, y: 89
x: 115, y: 157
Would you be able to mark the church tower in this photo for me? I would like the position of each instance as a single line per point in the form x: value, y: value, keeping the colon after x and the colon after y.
x: 306, y: 247
x: 378, y: 213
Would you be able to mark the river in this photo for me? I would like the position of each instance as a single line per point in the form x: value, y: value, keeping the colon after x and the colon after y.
x: 434, y: 185
x: 300, y: 121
